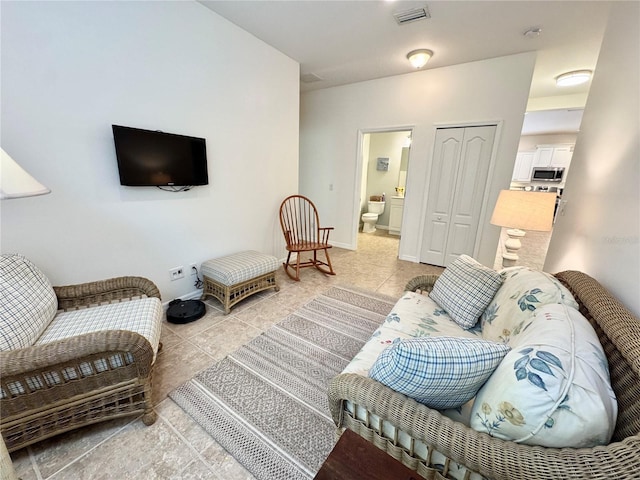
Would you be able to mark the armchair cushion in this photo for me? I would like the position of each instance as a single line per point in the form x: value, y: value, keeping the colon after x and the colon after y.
x: 464, y: 290
x: 27, y: 302
x: 131, y: 315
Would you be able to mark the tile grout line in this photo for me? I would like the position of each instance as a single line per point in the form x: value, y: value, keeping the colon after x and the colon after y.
x: 190, y: 446
x: 34, y: 463
x: 217, y: 322
x: 79, y: 457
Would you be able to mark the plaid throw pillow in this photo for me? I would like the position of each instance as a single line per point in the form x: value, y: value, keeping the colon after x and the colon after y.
x: 465, y: 289
x: 27, y: 302
x: 441, y: 372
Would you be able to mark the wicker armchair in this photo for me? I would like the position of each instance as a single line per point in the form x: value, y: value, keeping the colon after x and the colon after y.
x: 51, y: 388
x: 619, y: 333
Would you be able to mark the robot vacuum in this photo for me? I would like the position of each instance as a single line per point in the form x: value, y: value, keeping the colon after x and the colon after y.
x: 185, y: 311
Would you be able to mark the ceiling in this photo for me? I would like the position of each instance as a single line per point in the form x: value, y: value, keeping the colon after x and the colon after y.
x: 552, y: 121
x: 345, y: 42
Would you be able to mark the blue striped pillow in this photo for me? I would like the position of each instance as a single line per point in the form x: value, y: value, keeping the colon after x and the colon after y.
x: 441, y: 372
x: 465, y: 289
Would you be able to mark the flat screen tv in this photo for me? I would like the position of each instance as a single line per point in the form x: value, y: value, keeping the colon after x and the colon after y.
x: 149, y: 158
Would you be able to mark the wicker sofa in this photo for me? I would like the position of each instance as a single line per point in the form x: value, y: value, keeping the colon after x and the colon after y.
x: 92, y: 361
x: 412, y: 433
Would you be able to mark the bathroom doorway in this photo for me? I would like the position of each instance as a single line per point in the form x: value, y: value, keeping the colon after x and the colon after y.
x: 384, y: 161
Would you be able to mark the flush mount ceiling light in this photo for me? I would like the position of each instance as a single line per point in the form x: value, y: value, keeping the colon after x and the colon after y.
x: 573, y: 78
x: 420, y: 57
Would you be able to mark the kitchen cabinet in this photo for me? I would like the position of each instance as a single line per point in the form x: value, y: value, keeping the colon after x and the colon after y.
x: 522, y: 167
x: 561, y: 156
x: 542, y: 158
x: 553, y: 156
x: 395, y: 215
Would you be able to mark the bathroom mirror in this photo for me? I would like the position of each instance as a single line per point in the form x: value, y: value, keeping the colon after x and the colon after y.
x: 404, y: 166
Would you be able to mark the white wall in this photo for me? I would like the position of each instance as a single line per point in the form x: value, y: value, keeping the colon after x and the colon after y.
x: 489, y: 90
x: 599, y: 232
x: 71, y: 69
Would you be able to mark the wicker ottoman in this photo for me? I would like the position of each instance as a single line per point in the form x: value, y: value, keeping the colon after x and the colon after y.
x: 235, y: 277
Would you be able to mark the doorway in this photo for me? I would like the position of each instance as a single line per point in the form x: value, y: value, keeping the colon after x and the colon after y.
x: 384, y: 161
x: 547, y: 140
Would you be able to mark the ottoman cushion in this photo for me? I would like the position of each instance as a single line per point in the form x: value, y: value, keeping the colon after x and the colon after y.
x: 239, y: 267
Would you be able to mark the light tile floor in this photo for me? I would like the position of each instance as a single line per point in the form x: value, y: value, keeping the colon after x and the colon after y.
x: 175, y: 447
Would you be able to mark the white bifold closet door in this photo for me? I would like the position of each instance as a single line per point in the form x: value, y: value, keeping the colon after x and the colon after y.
x: 456, y: 192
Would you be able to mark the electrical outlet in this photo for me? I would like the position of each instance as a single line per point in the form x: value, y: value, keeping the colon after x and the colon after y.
x: 193, y: 269
x: 176, y: 273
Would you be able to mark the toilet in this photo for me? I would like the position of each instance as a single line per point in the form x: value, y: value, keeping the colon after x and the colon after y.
x: 371, y: 217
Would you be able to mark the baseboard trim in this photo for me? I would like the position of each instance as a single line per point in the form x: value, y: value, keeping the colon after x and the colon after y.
x: 195, y: 295
x: 346, y: 246
x: 409, y: 258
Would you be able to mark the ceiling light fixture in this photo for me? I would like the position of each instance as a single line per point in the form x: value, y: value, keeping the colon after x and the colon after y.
x: 576, y: 77
x: 420, y: 57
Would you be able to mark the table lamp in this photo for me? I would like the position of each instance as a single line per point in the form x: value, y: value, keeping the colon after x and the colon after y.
x: 15, y: 182
x: 519, y: 210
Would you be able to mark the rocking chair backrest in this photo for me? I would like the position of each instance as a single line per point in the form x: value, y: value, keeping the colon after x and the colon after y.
x: 299, y: 220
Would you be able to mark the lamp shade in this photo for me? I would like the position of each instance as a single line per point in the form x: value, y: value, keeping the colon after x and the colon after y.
x: 15, y: 182
x: 524, y: 210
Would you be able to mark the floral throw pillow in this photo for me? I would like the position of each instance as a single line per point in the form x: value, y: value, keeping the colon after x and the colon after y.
x: 521, y: 294
x: 441, y: 372
x: 464, y: 290
x: 552, y: 388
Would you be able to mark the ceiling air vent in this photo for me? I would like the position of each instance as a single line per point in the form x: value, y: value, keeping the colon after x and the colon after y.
x: 412, y: 15
x: 310, y: 78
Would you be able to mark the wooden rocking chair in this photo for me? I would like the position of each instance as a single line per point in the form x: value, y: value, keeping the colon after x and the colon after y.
x: 299, y: 222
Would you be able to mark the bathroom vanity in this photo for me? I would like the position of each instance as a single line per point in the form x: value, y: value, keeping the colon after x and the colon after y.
x: 395, y: 215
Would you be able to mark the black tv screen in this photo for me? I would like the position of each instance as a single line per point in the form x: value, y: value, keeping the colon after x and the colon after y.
x: 152, y: 158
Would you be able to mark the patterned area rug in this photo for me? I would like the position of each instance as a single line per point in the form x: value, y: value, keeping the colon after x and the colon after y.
x: 266, y: 403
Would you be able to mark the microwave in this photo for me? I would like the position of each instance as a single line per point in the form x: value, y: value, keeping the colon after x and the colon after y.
x: 547, y: 174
